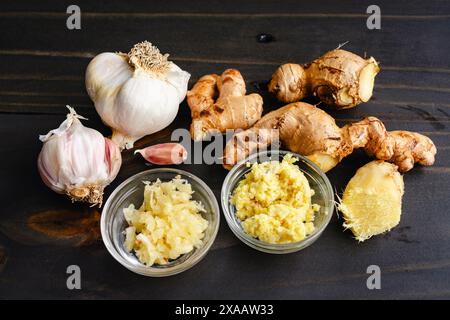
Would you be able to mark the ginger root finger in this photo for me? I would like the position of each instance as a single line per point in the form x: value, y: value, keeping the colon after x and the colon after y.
x: 411, y: 148
x: 372, y: 200
x: 231, y: 84
x: 232, y: 109
x: 247, y: 142
x: 403, y: 148
x: 339, y: 79
x: 310, y: 131
x: 228, y: 113
x: 370, y: 134
x: 202, y: 95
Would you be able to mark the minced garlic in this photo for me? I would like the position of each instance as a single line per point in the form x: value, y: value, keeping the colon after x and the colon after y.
x: 273, y: 202
x: 168, y: 223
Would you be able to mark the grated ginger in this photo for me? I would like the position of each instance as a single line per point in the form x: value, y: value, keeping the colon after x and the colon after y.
x: 273, y: 202
x: 167, y: 225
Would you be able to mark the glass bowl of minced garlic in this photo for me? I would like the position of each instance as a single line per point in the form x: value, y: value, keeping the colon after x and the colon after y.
x: 160, y: 222
x: 277, y: 201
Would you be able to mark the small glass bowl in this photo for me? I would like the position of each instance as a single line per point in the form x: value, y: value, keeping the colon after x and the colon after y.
x: 317, y: 180
x: 131, y: 191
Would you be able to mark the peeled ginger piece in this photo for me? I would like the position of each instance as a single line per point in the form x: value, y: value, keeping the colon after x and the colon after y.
x: 372, y: 200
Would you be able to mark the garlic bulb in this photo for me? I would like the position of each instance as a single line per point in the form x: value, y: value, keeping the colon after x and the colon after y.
x: 78, y: 161
x: 136, y: 94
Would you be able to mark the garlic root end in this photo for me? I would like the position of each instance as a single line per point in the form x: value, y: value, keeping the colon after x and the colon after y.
x: 88, y: 193
x: 146, y: 56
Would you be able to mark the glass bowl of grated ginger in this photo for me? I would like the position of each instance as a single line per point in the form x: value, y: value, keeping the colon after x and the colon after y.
x: 160, y: 222
x: 277, y: 201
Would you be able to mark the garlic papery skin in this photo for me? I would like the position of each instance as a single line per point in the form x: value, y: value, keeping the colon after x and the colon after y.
x: 136, y: 94
x: 78, y: 161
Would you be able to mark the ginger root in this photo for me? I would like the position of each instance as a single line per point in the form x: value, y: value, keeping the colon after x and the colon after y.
x: 232, y: 109
x: 339, y: 79
x: 372, y: 200
x: 310, y: 131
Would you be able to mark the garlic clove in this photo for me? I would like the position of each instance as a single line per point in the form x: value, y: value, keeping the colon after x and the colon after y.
x: 107, y: 70
x: 112, y: 157
x: 179, y: 79
x: 164, y: 153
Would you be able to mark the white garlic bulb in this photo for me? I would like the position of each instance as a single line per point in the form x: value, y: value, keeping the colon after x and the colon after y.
x: 136, y: 94
x: 78, y: 161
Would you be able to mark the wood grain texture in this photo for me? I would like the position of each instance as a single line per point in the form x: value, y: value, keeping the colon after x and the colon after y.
x: 42, y: 67
x: 325, y: 7
x: 188, y: 40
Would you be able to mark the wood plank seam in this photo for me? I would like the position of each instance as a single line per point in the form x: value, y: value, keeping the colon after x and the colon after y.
x: 89, y: 55
x: 49, y: 14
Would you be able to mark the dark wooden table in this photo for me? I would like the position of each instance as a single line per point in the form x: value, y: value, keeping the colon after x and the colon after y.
x: 42, y: 66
